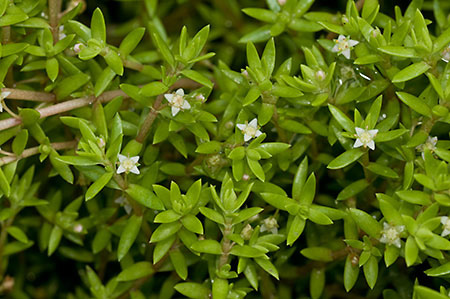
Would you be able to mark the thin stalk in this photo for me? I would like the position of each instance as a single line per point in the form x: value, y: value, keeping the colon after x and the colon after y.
x: 35, y: 150
x: 27, y: 95
x: 64, y: 107
x: 54, y: 8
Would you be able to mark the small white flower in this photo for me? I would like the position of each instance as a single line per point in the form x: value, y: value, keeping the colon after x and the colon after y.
x: 177, y: 102
x: 250, y: 130
x: 78, y: 47
x: 391, y: 234
x: 122, y: 201
x: 128, y: 164
x: 282, y: 2
x: 78, y: 228
x: 430, y: 145
x: 365, y: 138
x: 245, y: 177
x: 3, y: 95
x: 445, y: 54
x: 320, y: 75
x: 247, y: 232
x: 344, y: 45
x: 269, y: 224
x: 445, y: 225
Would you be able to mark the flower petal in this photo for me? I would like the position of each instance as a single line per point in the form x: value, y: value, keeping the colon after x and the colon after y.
x: 359, y: 131
x: 247, y: 137
x: 241, y: 126
x: 258, y: 133
x: 186, y: 105
x: 253, y: 123
x: 444, y: 219
x: 180, y: 92
x: 335, y: 49
x: 134, y: 170
x: 122, y: 158
x: 358, y: 143
x: 121, y: 169
x: 175, y: 110
x: 371, y: 145
x: 353, y: 43
x: 169, y: 97
x: 373, y: 132
x: 445, y: 232
x: 4, y: 94
x: 341, y: 38
x: 397, y: 243
x: 135, y: 159
x: 346, y: 53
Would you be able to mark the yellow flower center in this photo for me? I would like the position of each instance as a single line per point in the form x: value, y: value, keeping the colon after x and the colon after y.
x: 392, y: 235
x: 365, y: 137
x: 178, y: 101
x: 128, y: 164
x: 249, y: 130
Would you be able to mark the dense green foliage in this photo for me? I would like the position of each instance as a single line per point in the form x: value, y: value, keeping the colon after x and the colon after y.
x: 224, y: 149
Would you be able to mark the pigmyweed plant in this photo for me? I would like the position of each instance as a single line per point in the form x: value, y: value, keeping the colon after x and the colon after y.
x: 224, y: 149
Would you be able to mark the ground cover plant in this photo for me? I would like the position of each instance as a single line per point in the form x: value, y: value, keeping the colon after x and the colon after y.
x: 224, y: 149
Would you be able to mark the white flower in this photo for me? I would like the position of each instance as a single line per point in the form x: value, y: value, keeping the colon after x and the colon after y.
x: 3, y: 95
x: 128, y: 164
x: 445, y: 225
x: 320, y: 75
x: 445, y: 54
x: 365, y: 138
x: 122, y: 201
x: 78, y: 47
x: 282, y: 2
x: 250, y: 130
x: 177, y: 101
x: 270, y: 224
x: 343, y: 45
x: 247, y: 232
x: 391, y: 234
x: 78, y: 228
x: 430, y: 145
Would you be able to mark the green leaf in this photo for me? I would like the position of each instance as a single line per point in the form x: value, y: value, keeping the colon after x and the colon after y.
x: 192, y: 223
x: 366, y: 222
x: 370, y: 270
x: 198, y: 77
x: 179, y: 262
x: 267, y: 266
x: 98, y: 185
x: 20, y: 142
x: 207, y: 246
x: 52, y: 68
x: 414, y: 197
x: 128, y: 236
x: 17, y: 233
x: 342, y: 119
x: 164, y: 231
x: 353, y: 189
x: 442, y: 270
x: 422, y: 292
x: 411, y: 72
x: 411, y: 251
x: 415, y: 103
x: 104, y: 80
x: 295, y: 230
x: 98, y: 28
x: 322, y: 254
x: 144, y: 196
x: 164, y: 49
x: 300, y: 179
x: 351, y: 273
x: 246, y: 251
x: 114, y: 62
x: 4, y: 184
x: 153, y: 89
x: 382, y: 170
x: 136, y: 271
x: 345, y: 159
x: 193, y: 290
x: 130, y: 42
